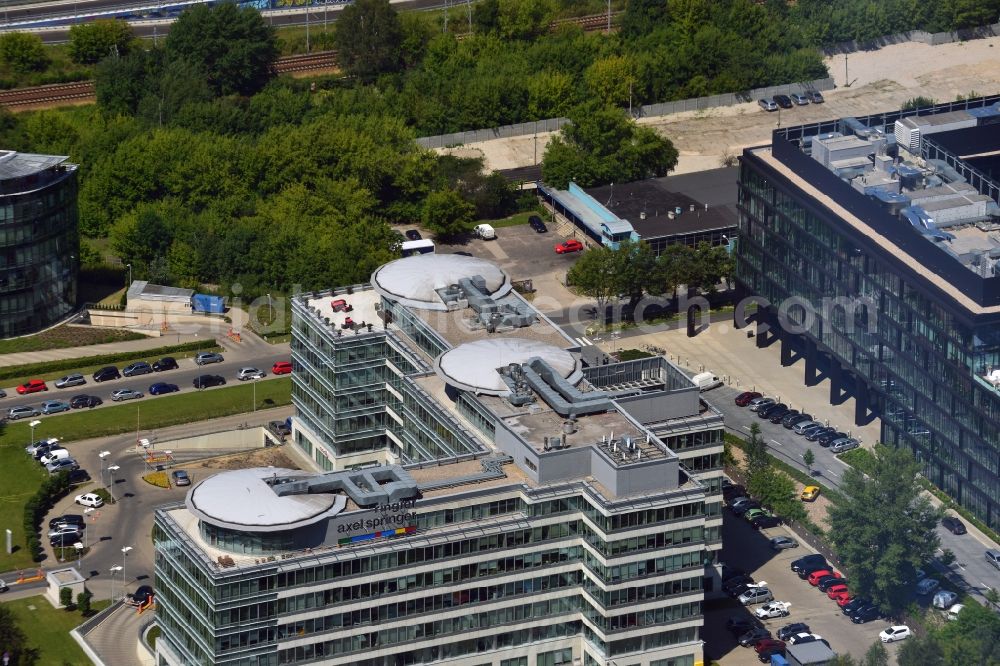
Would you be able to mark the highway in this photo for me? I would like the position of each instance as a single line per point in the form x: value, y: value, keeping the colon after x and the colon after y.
x: 259, y: 357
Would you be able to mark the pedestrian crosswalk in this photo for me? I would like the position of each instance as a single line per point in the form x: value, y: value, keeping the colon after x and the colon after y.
x: 584, y: 342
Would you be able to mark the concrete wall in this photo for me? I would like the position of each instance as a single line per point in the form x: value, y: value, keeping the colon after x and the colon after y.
x: 249, y: 438
x: 660, y: 406
x: 932, y: 38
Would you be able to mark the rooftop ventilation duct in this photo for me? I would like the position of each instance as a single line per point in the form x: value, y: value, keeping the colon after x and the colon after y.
x: 564, y: 398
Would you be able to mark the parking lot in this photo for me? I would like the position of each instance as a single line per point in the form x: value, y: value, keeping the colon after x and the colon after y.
x: 747, y: 549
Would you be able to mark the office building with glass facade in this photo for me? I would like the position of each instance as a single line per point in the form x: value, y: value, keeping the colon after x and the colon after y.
x: 872, y: 244
x: 39, y: 243
x: 474, y: 495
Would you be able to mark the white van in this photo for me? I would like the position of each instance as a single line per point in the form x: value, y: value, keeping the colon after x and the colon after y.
x: 954, y: 611
x: 52, y: 456
x: 706, y: 381
x: 485, y: 231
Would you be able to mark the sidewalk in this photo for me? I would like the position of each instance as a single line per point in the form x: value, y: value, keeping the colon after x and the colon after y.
x: 21, y: 358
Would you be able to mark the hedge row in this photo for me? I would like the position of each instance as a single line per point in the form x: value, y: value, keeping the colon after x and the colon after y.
x: 51, y: 491
x: 29, y: 369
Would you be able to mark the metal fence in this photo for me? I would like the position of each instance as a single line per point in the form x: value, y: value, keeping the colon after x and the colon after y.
x: 650, y: 110
x: 930, y: 38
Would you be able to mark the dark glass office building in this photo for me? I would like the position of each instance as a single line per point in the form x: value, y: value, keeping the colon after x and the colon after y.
x: 39, y: 243
x: 873, y: 246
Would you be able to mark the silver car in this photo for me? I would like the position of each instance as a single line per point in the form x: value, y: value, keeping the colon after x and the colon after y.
x: 125, y: 394
x: 64, y: 465
x: 205, y: 358
x: 801, y: 100
x: 768, y: 104
x: 783, y: 543
x: 71, y: 380
x: 842, y: 445
x: 800, y: 428
x: 759, y: 403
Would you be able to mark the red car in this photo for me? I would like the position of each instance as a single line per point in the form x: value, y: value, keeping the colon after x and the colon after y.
x: 836, y: 591
x: 843, y: 599
x: 282, y: 368
x: 340, y: 305
x: 816, y: 575
x: 743, y: 399
x: 571, y: 245
x: 768, y: 644
x: 32, y: 386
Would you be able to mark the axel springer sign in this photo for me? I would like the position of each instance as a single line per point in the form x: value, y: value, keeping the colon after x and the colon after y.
x: 386, y: 520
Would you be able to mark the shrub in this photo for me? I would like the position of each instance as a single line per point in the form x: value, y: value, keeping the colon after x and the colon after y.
x: 65, y: 597
x: 50, y: 492
x: 158, y: 479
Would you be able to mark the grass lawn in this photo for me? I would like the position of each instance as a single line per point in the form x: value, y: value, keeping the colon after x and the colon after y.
x: 512, y: 221
x: 65, y: 336
x: 48, y: 628
x: 20, y: 475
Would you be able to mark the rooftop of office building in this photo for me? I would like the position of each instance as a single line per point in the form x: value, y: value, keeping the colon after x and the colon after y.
x: 19, y: 165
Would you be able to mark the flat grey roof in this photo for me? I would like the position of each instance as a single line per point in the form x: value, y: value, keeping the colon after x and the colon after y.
x: 158, y: 292
x: 18, y: 165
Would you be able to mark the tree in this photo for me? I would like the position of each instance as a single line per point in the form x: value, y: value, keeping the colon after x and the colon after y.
x: 234, y: 48
x: 83, y: 602
x: 881, y: 556
x: 13, y: 640
x: 635, y: 270
x: 808, y: 458
x: 642, y: 17
x: 65, y: 597
x: 921, y: 651
x: 612, y: 79
x: 23, y: 52
x: 446, y: 213
x: 755, y: 451
x: 120, y: 83
x: 523, y: 19
x: 918, y: 102
x: 947, y: 557
x: 595, y: 274
x: 486, y: 17
x: 876, y: 655
x: 775, y: 490
x: 92, y: 42
x: 367, y: 35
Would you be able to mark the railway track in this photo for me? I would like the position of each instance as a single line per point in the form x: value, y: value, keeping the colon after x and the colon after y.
x: 307, y: 62
x: 55, y: 92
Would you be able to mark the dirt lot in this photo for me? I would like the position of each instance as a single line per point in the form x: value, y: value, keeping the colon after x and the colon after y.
x: 269, y: 457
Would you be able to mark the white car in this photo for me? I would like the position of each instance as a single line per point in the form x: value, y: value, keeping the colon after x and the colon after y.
x: 896, y: 633
x: 64, y: 529
x: 927, y: 585
x: 125, y: 394
x: 804, y: 638
x: 89, y: 499
x: 944, y: 599
x: 756, y: 595
x: 249, y: 373
x: 773, y: 609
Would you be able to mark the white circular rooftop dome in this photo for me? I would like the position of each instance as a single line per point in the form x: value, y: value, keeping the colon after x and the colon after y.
x: 241, y: 500
x: 473, y: 366
x: 412, y: 281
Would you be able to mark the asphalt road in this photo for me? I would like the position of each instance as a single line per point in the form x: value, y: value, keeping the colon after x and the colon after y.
x: 970, y: 571
x: 259, y: 357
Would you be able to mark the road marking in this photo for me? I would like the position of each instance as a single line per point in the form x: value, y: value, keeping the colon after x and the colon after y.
x: 832, y: 472
x: 841, y: 461
x: 747, y: 428
x: 584, y: 341
x: 776, y: 442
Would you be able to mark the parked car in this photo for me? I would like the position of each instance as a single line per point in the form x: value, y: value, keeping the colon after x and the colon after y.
x: 855, y: 605
x: 768, y: 644
x: 125, y: 394
x: 160, y: 388
x: 64, y: 540
x: 747, y: 506
x: 830, y: 437
x: 817, y: 574
x: 953, y: 525
x: 137, y: 368
x: 757, y: 403
x: 783, y: 543
x: 765, y: 522
x: 944, y: 599
x: 801, y: 428
x: 766, y: 412
x: 181, y: 478
x: 837, y: 590
x: 165, y: 363
x: 790, y: 414
x: 83, y: 400
x: 54, y: 407
x: 70, y: 380
x: 773, y: 609
x: 208, y: 381
x: 53, y: 454
x: 783, y: 101
x: 766, y: 652
x: 756, y: 595
x: 45, y: 449
x: 250, y: 373
x: 753, y: 635
x: 106, y: 374
x: 68, y: 519
x: 141, y: 596
x: 736, y: 581
x: 733, y: 491
x: 282, y: 368
x: 65, y: 529
x: 15, y: 413
x: 32, y: 386
x: 844, y: 445
x: 809, y: 493
x: 810, y: 569
x: 826, y: 582
x: 536, y: 223
x: 800, y: 100
x: 757, y: 512
x: 767, y: 104
x: 790, y: 421
x: 815, y: 96
x: 776, y: 415
x: 32, y: 448
x: 799, y: 639
x: 413, y: 235
x: 204, y: 358
x: 927, y: 585
x: 793, y: 629
x: 89, y: 499
x: 993, y: 557
x: 820, y: 432
x: 78, y: 475
x: 569, y: 245
x: 895, y: 633
x: 484, y: 231
x: 737, y: 590
x: 740, y: 624
x: 743, y: 399
x: 865, y: 613
x: 64, y: 465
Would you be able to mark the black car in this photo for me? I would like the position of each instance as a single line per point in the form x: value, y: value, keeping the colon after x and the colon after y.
x: 68, y: 519
x: 793, y: 629
x: 141, y: 596
x: 790, y: 414
x: 792, y: 420
x: 165, y: 363
x: 78, y: 476
x: 855, y: 605
x: 807, y: 560
x: 777, y: 415
x: 138, y: 368
x: 953, y: 525
x: 764, y: 522
x: 207, y: 381
x: 830, y: 437
x: 81, y: 401
x: 784, y: 101
x: 413, y: 234
x: 866, y: 614
x: 743, y: 508
x: 771, y: 409
x: 750, y: 637
x: 816, y: 434
x: 106, y: 374
x: 536, y: 223
x: 736, y: 582
x: 64, y: 540
x: 812, y: 568
x: 739, y: 624
x: 729, y: 573
x: 826, y: 582
x: 733, y: 492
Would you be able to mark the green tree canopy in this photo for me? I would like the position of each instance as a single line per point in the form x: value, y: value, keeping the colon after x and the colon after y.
x: 368, y: 35
x: 596, y: 275
x: 91, y: 42
x: 881, y: 556
x: 23, y: 52
x: 234, y: 48
x: 642, y: 17
x: 446, y: 213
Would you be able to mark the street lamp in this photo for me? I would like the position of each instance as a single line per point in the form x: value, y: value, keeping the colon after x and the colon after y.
x: 34, y: 423
x: 112, y: 470
x: 86, y: 512
x: 129, y: 267
x: 79, y: 553
x: 253, y: 382
x: 124, y: 555
x: 113, y: 571
x: 102, y: 455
